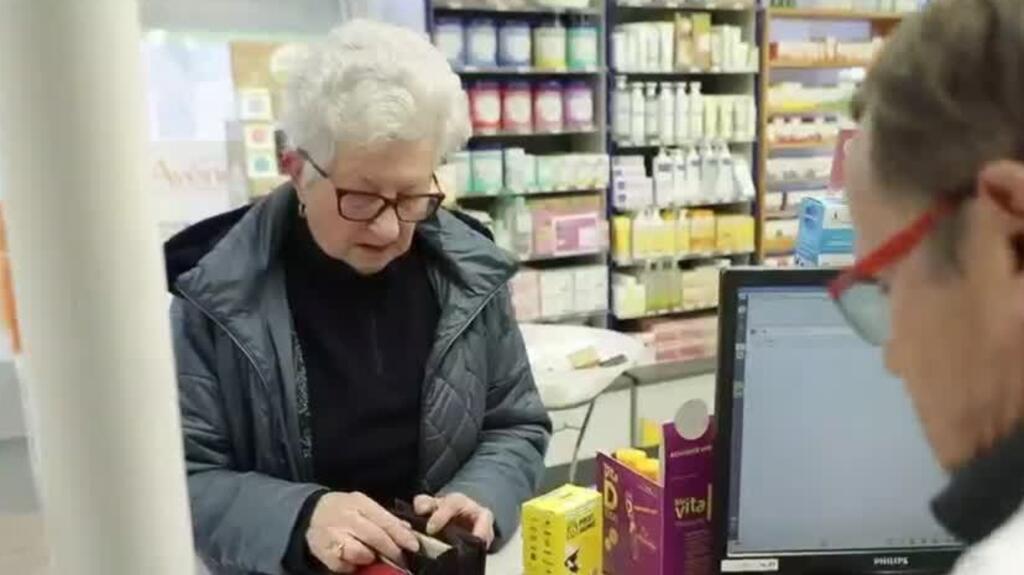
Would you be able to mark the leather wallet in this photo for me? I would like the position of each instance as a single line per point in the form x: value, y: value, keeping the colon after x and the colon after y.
x: 453, y: 551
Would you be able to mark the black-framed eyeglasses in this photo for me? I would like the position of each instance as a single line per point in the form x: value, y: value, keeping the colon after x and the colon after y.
x: 357, y: 206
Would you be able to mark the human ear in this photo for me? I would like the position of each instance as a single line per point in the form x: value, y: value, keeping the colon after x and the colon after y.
x: 1000, y: 189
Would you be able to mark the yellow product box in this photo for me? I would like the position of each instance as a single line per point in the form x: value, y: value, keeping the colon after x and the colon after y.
x: 562, y: 533
x: 735, y: 233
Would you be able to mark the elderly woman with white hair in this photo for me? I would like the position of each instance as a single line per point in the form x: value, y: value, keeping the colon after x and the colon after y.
x: 345, y: 342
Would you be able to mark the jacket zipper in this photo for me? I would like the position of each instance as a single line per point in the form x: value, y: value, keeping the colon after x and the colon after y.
x: 243, y: 349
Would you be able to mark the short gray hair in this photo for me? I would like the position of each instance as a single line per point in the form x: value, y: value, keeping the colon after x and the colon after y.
x: 368, y: 82
x: 946, y: 97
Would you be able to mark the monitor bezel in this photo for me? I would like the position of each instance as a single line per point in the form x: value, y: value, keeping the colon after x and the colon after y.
x: 905, y: 561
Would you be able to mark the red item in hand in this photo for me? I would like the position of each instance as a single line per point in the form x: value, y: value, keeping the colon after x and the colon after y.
x: 381, y: 569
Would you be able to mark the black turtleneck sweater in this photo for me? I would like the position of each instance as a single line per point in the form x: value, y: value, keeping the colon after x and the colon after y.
x: 365, y: 342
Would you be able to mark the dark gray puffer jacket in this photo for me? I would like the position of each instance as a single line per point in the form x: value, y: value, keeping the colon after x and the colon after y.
x: 484, y: 431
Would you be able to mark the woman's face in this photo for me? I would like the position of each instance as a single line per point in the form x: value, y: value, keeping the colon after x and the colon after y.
x: 957, y: 336
x: 389, y: 169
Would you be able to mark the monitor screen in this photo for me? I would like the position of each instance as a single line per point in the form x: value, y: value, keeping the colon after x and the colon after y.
x: 827, y: 455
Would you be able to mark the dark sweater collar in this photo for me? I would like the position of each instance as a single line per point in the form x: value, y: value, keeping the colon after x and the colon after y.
x: 986, y: 493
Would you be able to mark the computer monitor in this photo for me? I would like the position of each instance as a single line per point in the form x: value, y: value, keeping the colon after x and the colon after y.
x: 821, y: 465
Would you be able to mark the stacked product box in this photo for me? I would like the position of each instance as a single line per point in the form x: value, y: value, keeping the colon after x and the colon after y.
x: 826, y: 235
x: 562, y: 532
x: 662, y: 527
x: 554, y: 293
x: 682, y: 339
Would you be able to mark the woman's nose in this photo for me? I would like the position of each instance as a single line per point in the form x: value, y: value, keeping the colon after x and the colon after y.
x: 386, y: 227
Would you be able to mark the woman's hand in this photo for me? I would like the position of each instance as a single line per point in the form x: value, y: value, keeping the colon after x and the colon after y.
x: 349, y: 530
x: 459, y: 508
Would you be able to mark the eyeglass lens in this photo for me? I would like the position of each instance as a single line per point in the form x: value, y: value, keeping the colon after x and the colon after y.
x: 866, y: 307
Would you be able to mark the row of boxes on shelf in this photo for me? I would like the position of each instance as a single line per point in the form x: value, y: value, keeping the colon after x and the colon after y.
x: 550, y: 227
x: 557, y: 293
x: 673, y: 113
x: 827, y: 50
x: 783, y: 170
x: 690, y: 42
x: 549, y: 46
x: 663, y: 288
x: 524, y: 107
x: 654, y: 234
x: 690, y: 175
x: 796, y: 130
x: 799, y: 97
x: 673, y: 340
x: 788, y: 203
x: 898, y: 6
x: 496, y: 171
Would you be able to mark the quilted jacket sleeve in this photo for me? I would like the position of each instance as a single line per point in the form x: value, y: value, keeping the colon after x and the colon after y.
x: 242, y: 519
x: 508, y: 465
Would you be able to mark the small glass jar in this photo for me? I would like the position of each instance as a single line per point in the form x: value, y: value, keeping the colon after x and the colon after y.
x: 579, y: 106
x: 449, y: 37
x: 481, y: 43
x: 581, y: 51
x: 485, y: 107
x: 515, y: 45
x: 549, y: 47
x: 517, y: 108
x: 548, y: 107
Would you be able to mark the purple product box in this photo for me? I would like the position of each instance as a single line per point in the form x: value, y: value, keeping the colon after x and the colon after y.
x: 661, y: 529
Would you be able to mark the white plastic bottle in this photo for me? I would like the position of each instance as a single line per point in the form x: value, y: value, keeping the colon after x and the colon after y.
x: 696, y: 112
x: 651, y: 115
x: 664, y: 181
x: 667, y: 107
x: 621, y: 123
x: 682, y: 114
x: 708, y: 171
x: 693, y: 175
x: 679, y: 177
x: 636, y: 111
x: 724, y: 186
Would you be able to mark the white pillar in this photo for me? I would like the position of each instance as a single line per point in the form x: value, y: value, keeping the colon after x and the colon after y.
x: 89, y: 286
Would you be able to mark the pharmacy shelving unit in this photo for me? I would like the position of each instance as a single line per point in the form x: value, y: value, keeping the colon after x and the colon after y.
x: 589, y: 141
x: 816, y: 21
x: 742, y: 81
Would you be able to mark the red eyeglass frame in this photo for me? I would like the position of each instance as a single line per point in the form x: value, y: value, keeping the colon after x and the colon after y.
x: 906, y: 240
x: 895, y: 248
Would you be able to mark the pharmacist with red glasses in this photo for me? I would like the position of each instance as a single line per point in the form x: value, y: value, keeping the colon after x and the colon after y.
x: 936, y: 189
x: 345, y: 343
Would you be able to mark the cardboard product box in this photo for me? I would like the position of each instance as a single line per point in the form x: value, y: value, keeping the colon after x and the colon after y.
x: 825, y: 237
x: 685, y: 46
x: 702, y: 230
x: 562, y: 532
x: 591, y: 284
x: 663, y: 527
x: 556, y: 293
x: 525, y: 288
x: 701, y: 22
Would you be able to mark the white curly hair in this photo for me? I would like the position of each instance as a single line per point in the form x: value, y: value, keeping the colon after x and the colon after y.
x: 369, y: 82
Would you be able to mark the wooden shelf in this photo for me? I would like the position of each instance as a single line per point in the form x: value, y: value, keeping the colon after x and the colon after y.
x: 704, y: 5
x: 516, y: 7
x: 682, y: 258
x: 678, y: 311
x: 536, y: 259
x: 531, y: 72
x: 819, y: 65
x: 685, y: 73
x: 532, y: 194
x: 833, y: 14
